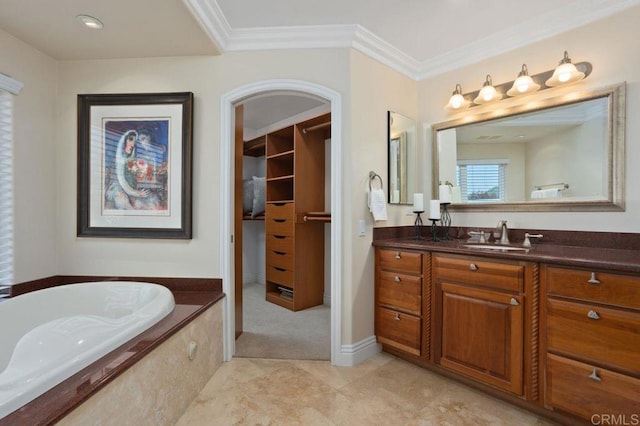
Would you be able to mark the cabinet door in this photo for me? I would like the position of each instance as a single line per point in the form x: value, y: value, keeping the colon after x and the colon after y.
x: 482, y: 335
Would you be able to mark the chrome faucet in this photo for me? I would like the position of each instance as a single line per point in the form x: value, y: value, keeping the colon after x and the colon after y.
x: 504, y: 232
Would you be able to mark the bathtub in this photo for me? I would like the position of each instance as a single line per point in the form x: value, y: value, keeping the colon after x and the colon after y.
x: 49, y: 335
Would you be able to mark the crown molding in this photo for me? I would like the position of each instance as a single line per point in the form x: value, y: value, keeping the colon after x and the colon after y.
x: 9, y: 84
x: 211, y: 20
x: 573, y: 15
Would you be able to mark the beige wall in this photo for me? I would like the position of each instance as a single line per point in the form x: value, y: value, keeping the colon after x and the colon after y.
x: 613, y: 48
x: 35, y: 180
x: 375, y: 89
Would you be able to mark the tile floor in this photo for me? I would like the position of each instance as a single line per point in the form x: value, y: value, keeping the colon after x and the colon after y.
x: 383, y: 390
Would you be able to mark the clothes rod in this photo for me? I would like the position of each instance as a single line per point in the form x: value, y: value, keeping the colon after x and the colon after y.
x: 317, y: 126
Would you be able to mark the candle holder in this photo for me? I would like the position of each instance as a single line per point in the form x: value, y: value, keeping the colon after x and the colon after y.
x: 418, y: 225
x: 434, y: 229
x: 446, y: 222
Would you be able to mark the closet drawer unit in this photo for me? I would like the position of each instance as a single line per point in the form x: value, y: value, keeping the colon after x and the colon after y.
x: 401, y: 261
x: 480, y: 272
x: 280, y: 259
x: 400, y: 291
x: 612, y: 289
x: 585, y: 390
x: 595, y: 333
x: 398, y: 329
x: 280, y: 211
x: 280, y: 243
x: 284, y: 227
x: 280, y: 275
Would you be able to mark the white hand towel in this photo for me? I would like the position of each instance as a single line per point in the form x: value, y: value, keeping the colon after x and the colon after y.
x: 552, y: 193
x: 377, y: 205
x: 537, y: 193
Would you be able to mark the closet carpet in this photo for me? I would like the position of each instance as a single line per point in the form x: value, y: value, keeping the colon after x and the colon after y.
x: 271, y: 331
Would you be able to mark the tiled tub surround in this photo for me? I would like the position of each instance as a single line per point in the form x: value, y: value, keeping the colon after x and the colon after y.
x: 577, y: 295
x: 149, y: 377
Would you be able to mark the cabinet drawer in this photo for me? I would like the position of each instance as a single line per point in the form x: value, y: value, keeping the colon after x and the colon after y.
x: 280, y: 275
x: 280, y: 243
x: 613, y: 289
x: 398, y: 329
x: 572, y: 388
x: 400, y: 291
x: 608, y: 340
x: 401, y: 261
x: 283, y: 227
x: 280, y: 211
x: 480, y: 272
x: 280, y: 259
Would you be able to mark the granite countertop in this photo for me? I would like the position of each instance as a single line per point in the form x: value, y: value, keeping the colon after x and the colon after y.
x: 614, y: 259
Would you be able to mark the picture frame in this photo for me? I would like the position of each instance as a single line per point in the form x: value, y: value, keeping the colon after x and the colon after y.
x: 135, y: 165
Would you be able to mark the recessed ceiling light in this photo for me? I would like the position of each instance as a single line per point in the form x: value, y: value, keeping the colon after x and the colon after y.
x: 90, y: 22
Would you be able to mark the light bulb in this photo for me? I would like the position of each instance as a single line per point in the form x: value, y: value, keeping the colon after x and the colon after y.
x: 565, y: 73
x: 523, y: 84
x: 488, y: 93
x: 456, y: 101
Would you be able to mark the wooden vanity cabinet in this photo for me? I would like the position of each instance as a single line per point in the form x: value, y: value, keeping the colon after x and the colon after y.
x: 480, y: 315
x: 399, y: 289
x: 591, y: 329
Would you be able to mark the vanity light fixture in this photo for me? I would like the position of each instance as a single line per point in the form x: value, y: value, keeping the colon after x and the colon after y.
x: 90, y: 22
x: 488, y: 93
x: 457, y: 101
x: 565, y: 73
x: 523, y: 84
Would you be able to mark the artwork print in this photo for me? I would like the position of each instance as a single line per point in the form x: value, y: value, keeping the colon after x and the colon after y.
x: 136, y: 166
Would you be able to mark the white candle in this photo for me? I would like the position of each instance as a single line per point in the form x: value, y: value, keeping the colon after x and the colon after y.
x: 434, y: 209
x: 418, y: 203
x: 445, y: 194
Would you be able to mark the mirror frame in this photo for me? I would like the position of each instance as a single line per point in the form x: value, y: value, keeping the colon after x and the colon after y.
x: 616, y: 95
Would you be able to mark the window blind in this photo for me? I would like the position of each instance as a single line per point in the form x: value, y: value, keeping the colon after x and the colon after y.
x: 6, y: 193
x: 482, y: 182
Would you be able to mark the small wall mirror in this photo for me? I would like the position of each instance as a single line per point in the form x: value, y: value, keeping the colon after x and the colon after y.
x: 564, y: 154
x: 402, y: 158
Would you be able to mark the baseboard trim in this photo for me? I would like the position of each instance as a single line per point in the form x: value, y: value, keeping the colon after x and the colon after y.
x: 358, y: 352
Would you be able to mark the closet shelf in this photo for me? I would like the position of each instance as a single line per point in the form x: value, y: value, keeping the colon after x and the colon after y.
x: 284, y: 154
x: 255, y: 147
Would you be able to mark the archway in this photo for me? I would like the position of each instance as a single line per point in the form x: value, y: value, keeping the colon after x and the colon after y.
x: 227, y: 104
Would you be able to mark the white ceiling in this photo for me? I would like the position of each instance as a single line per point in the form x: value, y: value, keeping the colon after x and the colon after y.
x: 417, y: 37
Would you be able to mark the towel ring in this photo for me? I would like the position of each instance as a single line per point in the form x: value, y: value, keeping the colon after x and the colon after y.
x: 372, y: 176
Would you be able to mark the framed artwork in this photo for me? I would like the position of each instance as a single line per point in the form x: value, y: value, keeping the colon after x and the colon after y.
x: 135, y: 165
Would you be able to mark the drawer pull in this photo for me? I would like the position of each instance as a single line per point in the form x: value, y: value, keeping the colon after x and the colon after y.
x: 593, y: 315
x: 593, y: 279
x: 594, y: 376
x: 280, y: 253
x: 280, y: 220
x: 279, y: 269
x: 397, y: 318
x: 397, y: 279
x: 473, y: 267
x: 514, y: 302
x: 397, y: 255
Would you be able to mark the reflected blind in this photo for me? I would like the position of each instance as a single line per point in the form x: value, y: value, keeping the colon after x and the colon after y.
x: 482, y: 181
x: 6, y: 192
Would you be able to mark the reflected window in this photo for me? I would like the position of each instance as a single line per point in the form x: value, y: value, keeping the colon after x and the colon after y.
x: 482, y: 181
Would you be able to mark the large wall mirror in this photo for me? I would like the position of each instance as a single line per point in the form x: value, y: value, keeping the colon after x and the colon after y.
x: 564, y: 153
x: 402, y: 158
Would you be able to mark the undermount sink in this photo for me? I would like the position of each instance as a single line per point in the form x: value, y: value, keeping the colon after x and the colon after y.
x: 495, y: 247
